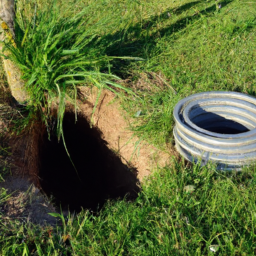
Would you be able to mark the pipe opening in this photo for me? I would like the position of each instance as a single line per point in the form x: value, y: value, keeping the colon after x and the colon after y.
x: 215, y: 123
x: 100, y: 175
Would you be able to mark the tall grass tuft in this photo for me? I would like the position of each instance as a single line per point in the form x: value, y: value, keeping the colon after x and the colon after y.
x: 57, y: 53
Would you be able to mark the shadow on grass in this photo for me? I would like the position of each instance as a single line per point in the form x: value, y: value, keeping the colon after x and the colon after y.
x: 137, y: 41
x: 167, y: 14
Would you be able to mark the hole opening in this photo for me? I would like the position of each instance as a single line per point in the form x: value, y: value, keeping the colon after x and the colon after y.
x: 100, y: 175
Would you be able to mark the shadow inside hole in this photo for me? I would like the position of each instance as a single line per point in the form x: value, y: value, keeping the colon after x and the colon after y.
x: 102, y: 175
x: 215, y: 123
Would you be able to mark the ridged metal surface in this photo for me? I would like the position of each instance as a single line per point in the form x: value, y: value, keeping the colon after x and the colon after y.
x: 217, y: 126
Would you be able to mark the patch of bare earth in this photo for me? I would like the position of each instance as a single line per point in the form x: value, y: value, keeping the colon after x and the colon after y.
x: 26, y: 202
x: 109, y: 118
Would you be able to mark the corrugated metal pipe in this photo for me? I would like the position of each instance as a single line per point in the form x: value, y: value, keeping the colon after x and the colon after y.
x: 217, y: 127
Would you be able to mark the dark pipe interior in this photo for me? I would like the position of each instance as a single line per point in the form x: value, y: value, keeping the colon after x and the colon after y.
x: 100, y: 173
x: 218, y: 124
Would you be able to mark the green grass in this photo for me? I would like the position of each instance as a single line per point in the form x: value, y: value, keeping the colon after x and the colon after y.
x: 200, y: 49
x: 183, y: 210
x: 187, y: 47
x: 193, y: 45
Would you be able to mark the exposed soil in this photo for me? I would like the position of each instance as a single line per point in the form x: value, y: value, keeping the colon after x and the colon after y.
x: 110, y: 119
x: 26, y: 202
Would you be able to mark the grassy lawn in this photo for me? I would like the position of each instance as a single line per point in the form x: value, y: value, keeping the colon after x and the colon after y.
x: 183, y: 209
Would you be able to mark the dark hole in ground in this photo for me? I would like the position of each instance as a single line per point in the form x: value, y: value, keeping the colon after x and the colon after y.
x: 215, y: 123
x: 102, y: 174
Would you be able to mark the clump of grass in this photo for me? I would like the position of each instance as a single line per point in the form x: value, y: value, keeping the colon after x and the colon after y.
x: 152, y: 111
x: 55, y: 54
